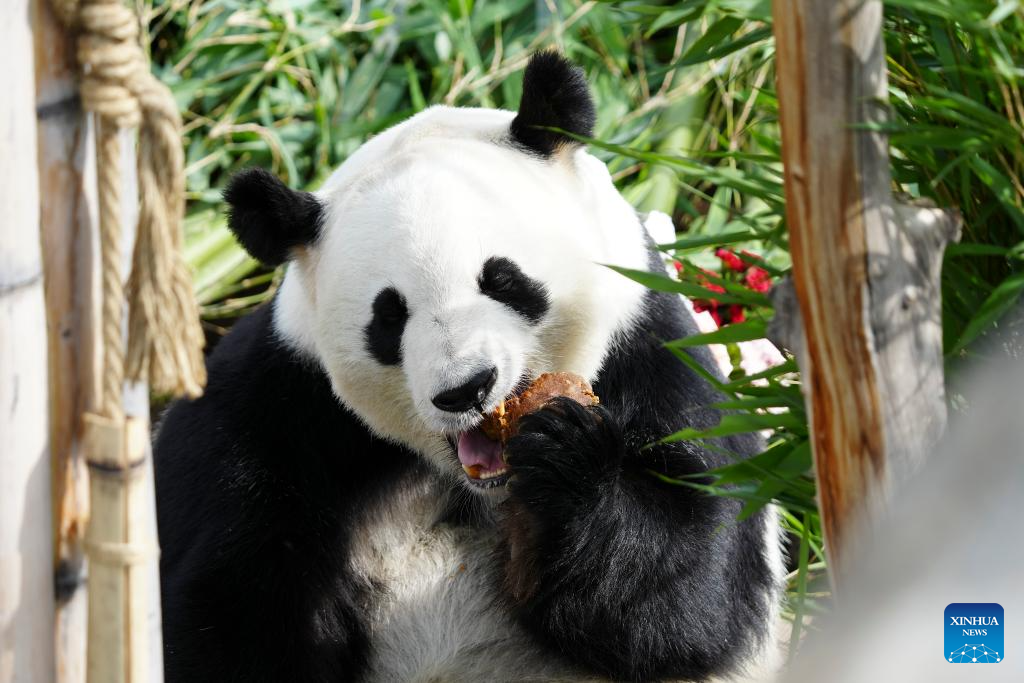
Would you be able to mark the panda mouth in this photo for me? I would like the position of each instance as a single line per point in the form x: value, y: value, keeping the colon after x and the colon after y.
x: 482, y: 459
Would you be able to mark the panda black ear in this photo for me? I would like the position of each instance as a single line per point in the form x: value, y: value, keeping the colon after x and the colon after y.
x: 269, y: 218
x: 555, y: 94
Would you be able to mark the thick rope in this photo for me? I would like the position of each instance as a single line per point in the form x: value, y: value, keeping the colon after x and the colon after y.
x: 164, y: 337
x: 112, y: 290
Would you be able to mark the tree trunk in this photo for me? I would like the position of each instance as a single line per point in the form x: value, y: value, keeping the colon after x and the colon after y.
x: 865, y: 269
x: 26, y: 583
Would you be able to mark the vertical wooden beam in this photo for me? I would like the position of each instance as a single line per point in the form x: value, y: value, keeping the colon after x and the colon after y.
x: 865, y: 268
x: 26, y: 584
x: 67, y: 223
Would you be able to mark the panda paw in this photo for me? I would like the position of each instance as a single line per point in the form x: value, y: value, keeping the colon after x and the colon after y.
x: 564, y: 460
x: 564, y: 453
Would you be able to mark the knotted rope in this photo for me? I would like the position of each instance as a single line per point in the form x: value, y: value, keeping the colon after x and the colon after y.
x: 164, y: 337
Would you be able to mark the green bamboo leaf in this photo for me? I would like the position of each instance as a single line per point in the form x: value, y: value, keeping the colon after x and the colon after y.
x: 755, y: 403
x: 801, y: 590
x: 713, y: 44
x: 786, y: 461
x: 747, y: 330
x: 683, y: 13
x: 663, y: 283
x: 740, y: 424
x: 711, y: 37
x: 689, y: 361
x: 972, y: 249
x: 1001, y: 300
x: 733, y: 289
x: 695, y: 241
x: 1001, y: 188
x: 772, y: 373
x: 765, y: 493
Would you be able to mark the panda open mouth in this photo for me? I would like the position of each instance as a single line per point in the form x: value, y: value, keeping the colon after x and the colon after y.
x: 483, y: 459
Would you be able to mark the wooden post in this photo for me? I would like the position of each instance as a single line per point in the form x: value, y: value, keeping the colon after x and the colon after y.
x: 70, y: 227
x: 67, y: 178
x: 26, y: 583
x: 865, y: 268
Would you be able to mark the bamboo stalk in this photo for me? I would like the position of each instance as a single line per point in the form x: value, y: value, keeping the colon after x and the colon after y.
x: 124, y: 643
x: 865, y: 268
x: 118, y: 544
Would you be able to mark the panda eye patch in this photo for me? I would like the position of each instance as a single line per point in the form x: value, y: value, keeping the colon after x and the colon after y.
x: 502, y: 280
x: 384, y: 333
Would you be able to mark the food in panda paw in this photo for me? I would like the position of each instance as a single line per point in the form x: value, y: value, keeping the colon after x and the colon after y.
x: 502, y: 423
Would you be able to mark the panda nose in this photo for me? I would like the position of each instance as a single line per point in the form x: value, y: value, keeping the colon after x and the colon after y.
x: 472, y: 394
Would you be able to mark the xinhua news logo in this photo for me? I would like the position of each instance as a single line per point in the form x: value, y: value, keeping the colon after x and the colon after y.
x: 974, y: 633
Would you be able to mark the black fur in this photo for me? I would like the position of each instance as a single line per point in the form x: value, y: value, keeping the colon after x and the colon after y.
x: 384, y: 331
x: 502, y: 280
x: 555, y: 95
x: 260, y: 484
x: 608, y: 566
x: 269, y: 218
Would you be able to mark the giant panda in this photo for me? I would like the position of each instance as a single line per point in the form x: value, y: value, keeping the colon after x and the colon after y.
x: 316, y: 519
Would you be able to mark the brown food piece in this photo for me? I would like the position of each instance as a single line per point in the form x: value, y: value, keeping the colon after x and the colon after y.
x: 503, y: 422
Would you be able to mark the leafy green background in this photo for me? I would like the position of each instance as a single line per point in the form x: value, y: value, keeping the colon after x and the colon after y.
x: 687, y: 122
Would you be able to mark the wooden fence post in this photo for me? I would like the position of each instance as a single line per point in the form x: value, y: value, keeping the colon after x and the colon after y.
x: 26, y: 583
x: 67, y: 178
x: 865, y: 269
x: 69, y: 225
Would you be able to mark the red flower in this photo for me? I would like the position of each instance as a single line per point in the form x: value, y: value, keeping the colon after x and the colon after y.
x: 701, y: 305
x: 679, y: 266
x: 757, y: 279
x: 707, y: 284
x: 730, y: 259
x: 753, y: 277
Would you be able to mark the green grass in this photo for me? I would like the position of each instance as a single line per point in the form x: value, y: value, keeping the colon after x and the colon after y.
x: 687, y: 122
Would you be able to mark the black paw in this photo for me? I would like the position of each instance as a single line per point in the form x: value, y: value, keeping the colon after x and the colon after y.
x: 564, y: 449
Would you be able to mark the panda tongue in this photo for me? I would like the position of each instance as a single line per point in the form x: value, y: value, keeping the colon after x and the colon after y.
x: 475, y: 448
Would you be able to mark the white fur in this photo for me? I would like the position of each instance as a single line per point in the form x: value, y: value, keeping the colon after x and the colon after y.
x: 766, y: 664
x: 421, y: 208
x: 433, y: 616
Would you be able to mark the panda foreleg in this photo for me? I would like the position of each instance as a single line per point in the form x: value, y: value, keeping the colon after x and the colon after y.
x: 618, y: 571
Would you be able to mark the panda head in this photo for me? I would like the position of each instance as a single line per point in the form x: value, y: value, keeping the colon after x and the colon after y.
x: 448, y: 261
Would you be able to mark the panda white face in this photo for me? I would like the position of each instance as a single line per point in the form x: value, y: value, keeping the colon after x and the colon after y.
x: 451, y: 266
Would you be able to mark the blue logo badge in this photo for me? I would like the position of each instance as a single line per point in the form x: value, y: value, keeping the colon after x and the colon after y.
x: 974, y: 633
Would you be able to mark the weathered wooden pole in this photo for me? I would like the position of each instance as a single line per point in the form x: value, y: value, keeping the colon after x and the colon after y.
x: 865, y: 269
x: 124, y: 560
x: 67, y: 178
x: 26, y: 584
